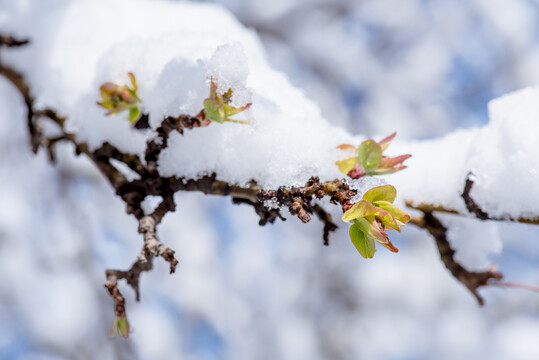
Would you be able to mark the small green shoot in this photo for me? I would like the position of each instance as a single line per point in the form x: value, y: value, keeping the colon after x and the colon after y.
x: 371, y: 216
x: 117, y: 98
x: 369, y: 159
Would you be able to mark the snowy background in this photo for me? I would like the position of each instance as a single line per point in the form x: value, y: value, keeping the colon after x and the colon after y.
x: 422, y: 68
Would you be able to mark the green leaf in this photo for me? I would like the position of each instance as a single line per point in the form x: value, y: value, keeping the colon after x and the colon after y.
x: 123, y: 327
x: 134, y: 115
x: 369, y: 154
x: 389, y: 220
x: 390, y: 162
x: 346, y: 165
x: 227, y: 97
x: 381, y: 193
x: 361, y: 209
x: 346, y: 147
x: 233, y: 110
x: 372, y: 229
x: 213, y: 90
x: 248, y: 121
x: 384, y: 143
x: 114, y: 326
x: 382, y: 171
x: 214, y: 110
x: 133, y: 81
x: 363, y: 244
x: 369, y: 212
x: 399, y: 215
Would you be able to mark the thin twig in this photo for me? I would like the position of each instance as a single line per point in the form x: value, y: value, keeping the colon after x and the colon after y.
x: 515, y: 285
x: 425, y: 207
x: 472, y: 280
x: 10, y: 41
x: 325, y: 217
x: 470, y: 203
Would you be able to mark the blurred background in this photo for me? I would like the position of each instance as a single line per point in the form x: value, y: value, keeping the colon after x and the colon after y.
x: 422, y: 68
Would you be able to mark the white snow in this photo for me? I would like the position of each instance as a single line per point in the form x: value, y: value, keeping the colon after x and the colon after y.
x: 505, y: 156
x: 173, y: 56
x: 502, y: 156
x: 436, y: 171
x: 229, y: 68
x: 271, y: 290
x: 288, y: 140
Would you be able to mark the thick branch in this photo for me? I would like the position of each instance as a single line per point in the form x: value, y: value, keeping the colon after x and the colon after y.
x: 299, y: 200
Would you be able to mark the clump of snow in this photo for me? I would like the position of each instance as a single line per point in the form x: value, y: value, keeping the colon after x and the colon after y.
x: 228, y: 280
x: 436, y: 171
x: 363, y: 184
x: 173, y: 56
x: 502, y: 156
x: 502, y: 160
x: 505, y: 158
x: 474, y: 245
x: 229, y: 68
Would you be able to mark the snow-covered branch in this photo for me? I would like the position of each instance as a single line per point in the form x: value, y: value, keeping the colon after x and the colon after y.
x: 266, y: 203
x: 242, y: 161
x: 471, y: 279
x: 472, y: 207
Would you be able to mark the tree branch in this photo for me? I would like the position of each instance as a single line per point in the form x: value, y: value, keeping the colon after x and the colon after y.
x: 10, y: 41
x: 169, y: 124
x: 472, y: 207
x: 298, y: 200
x: 325, y: 217
x: 472, y: 280
x: 470, y: 203
x: 20, y: 83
